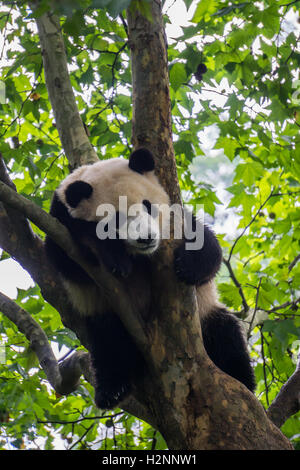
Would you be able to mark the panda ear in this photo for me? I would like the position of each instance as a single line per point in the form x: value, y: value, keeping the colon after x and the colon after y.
x: 77, y: 191
x: 141, y: 161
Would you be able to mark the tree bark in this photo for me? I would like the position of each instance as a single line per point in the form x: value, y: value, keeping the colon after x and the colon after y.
x: 287, y: 402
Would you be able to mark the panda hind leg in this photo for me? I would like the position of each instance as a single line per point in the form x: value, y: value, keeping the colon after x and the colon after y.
x: 226, y: 346
x: 115, y: 359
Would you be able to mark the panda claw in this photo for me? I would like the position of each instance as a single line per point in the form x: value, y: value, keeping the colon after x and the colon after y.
x: 108, y: 400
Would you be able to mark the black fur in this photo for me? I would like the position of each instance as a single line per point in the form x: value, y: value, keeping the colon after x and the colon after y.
x: 77, y: 191
x: 115, y: 257
x: 225, y: 345
x: 78, y: 230
x: 195, y: 267
x: 141, y: 161
x: 115, y: 358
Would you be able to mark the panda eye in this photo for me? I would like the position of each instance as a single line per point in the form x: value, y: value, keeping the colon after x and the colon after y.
x: 151, y: 208
x: 147, y: 204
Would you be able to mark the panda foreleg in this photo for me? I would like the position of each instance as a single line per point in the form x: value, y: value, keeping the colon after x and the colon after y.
x: 198, y: 266
x: 115, y: 257
x: 115, y: 359
x: 78, y: 229
x: 225, y: 344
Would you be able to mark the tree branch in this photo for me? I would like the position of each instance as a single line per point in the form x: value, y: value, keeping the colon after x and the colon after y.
x: 238, y: 285
x: 74, y: 139
x: 272, y: 194
x: 18, y: 239
x: 287, y: 402
x: 294, y: 262
x: 63, y: 377
x: 16, y: 235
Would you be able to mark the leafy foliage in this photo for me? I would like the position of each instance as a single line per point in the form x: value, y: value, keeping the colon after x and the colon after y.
x: 237, y: 145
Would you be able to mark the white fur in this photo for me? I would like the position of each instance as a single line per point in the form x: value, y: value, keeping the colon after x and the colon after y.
x: 207, y: 298
x: 85, y: 299
x: 139, y: 228
x: 111, y: 179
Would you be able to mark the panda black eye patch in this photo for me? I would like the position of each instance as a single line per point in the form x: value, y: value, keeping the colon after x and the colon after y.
x: 151, y: 208
x: 147, y: 204
x: 77, y: 191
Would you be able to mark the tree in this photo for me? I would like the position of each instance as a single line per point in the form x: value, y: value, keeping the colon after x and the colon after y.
x: 190, y: 402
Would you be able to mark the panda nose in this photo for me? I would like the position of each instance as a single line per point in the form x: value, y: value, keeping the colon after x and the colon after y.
x: 145, y: 241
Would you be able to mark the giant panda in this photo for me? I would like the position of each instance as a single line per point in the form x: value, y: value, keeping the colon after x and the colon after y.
x: 115, y: 358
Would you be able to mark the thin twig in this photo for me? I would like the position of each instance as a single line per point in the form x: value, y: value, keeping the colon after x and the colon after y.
x: 79, y: 420
x: 264, y: 365
x: 124, y: 23
x: 292, y: 303
x: 255, y: 309
x: 237, y: 283
x: 294, y: 262
x: 248, y: 225
x: 81, y: 438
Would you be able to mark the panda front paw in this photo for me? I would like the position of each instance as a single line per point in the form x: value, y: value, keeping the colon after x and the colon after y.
x: 115, y: 258
x: 198, y: 266
x: 120, y: 269
x: 107, y: 399
x: 193, y: 267
x: 185, y: 269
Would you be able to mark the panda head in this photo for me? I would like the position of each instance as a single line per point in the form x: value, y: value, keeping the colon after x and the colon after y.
x: 93, y: 193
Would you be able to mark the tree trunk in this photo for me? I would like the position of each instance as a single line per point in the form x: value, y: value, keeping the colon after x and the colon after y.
x: 151, y: 123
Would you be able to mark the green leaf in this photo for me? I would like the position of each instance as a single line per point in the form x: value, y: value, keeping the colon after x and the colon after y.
x: 188, y: 3
x: 143, y: 6
x: 229, y: 145
x: 230, y: 295
x: 248, y: 173
x: 282, y: 329
x: 115, y: 7
x: 31, y: 359
x: 279, y: 110
x: 177, y: 75
x: 204, y: 8
x: 226, y: 10
x: 100, y: 3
